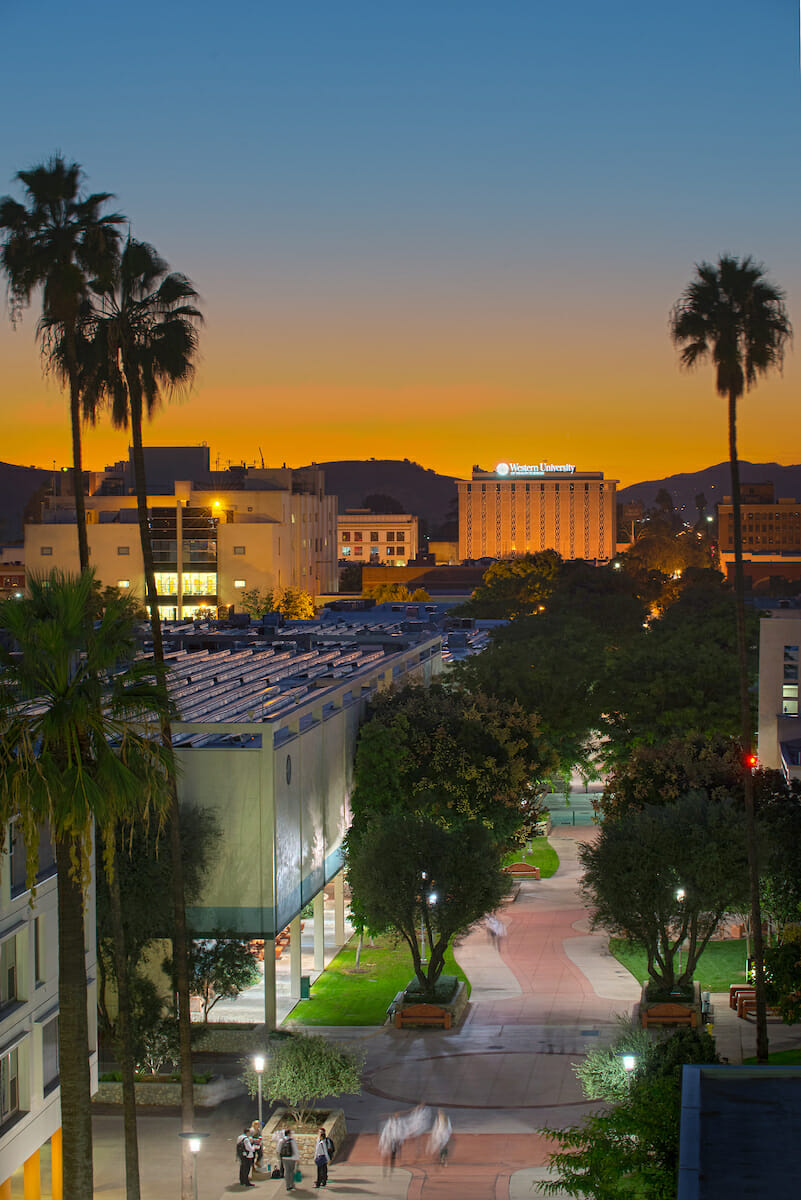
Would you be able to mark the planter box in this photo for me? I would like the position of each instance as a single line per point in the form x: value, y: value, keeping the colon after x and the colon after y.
x: 657, y: 1013
x: 166, y: 1094
x: 331, y: 1119
x: 456, y: 1007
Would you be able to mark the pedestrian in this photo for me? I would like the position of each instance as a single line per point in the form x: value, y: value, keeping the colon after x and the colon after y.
x: 440, y: 1137
x: 322, y: 1157
x: 390, y: 1140
x: 245, y: 1154
x: 289, y: 1154
x: 278, y: 1137
x: 257, y: 1143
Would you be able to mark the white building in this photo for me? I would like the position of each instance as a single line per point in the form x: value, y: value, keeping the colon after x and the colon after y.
x: 779, y: 739
x: 377, y: 539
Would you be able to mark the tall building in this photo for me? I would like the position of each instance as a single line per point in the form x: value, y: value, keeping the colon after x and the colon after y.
x: 520, y: 508
x: 213, y: 538
x: 377, y: 539
x: 771, y: 533
x: 779, y: 743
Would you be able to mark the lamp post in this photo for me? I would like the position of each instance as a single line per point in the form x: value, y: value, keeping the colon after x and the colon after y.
x: 258, y: 1067
x: 680, y: 894
x: 195, y: 1141
x: 629, y: 1063
x: 432, y: 899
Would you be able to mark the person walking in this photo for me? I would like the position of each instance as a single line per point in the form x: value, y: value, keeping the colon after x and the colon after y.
x: 440, y: 1136
x: 390, y: 1140
x: 245, y: 1154
x: 289, y: 1155
x: 322, y: 1157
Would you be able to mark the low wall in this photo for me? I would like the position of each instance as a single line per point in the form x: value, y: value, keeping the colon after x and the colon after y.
x: 166, y: 1094
x: 334, y: 1125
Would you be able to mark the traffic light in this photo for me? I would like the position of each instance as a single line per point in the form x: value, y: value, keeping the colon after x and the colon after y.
x: 752, y: 761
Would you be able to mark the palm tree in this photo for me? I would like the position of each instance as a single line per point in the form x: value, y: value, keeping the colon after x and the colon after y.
x: 142, y: 343
x: 732, y: 315
x: 77, y: 756
x: 56, y: 244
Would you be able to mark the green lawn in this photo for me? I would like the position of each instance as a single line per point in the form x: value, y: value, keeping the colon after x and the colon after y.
x: 721, y: 963
x: 782, y: 1058
x: 542, y: 855
x: 340, y: 997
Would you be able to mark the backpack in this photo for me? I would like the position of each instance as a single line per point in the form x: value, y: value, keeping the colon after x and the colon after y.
x: 285, y: 1149
x: 329, y: 1145
x: 240, y: 1148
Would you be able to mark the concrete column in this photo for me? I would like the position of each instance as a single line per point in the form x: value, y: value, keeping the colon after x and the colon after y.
x: 32, y: 1178
x: 294, y: 959
x: 57, y: 1166
x: 339, y: 908
x: 270, y: 1008
x: 319, y: 931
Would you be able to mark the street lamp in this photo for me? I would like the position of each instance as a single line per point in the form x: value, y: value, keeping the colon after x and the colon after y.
x: 258, y: 1067
x: 432, y: 899
x: 680, y: 894
x: 629, y: 1062
x: 195, y: 1141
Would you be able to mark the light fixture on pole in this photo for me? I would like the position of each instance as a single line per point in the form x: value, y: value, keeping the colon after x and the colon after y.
x: 195, y: 1141
x: 680, y: 894
x: 258, y: 1067
x: 629, y: 1062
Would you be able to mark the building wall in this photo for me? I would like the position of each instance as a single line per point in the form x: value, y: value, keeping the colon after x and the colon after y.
x: 572, y: 514
x: 766, y: 527
x: 779, y: 642
x: 378, y: 539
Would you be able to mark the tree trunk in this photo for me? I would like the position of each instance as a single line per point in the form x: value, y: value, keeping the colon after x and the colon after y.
x: 359, y: 945
x: 77, y: 455
x: 124, y: 1039
x: 73, y: 1028
x: 180, y: 939
x: 745, y: 737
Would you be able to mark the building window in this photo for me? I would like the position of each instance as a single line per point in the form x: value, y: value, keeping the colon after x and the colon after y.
x: 346, y: 551
x: 46, y: 551
x: 239, y: 549
x: 390, y: 550
x: 8, y: 972
x: 791, y: 662
x: 390, y: 536
x: 239, y: 583
x: 359, y: 551
x: 123, y: 583
x: 38, y: 951
x: 9, y: 1085
x: 123, y: 550
x: 358, y: 536
x: 345, y: 535
x: 373, y: 535
x: 400, y: 536
x: 50, y: 1064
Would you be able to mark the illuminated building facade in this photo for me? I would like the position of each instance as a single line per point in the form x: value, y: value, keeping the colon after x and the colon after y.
x: 520, y: 508
x: 377, y: 539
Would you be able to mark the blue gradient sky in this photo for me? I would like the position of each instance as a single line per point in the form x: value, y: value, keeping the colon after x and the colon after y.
x: 449, y: 231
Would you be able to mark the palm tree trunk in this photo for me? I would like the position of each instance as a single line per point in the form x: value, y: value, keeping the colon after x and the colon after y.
x: 73, y: 1027
x: 77, y: 454
x: 745, y: 737
x: 124, y: 1039
x: 180, y: 936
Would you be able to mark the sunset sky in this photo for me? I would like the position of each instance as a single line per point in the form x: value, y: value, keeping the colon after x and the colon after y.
x: 445, y: 230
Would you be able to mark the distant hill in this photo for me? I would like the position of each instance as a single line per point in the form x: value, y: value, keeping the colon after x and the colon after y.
x: 18, y: 486
x: 715, y: 483
x: 420, y: 490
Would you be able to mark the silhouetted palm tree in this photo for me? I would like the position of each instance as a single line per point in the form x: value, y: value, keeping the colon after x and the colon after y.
x: 77, y: 755
x: 57, y: 244
x: 732, y: 315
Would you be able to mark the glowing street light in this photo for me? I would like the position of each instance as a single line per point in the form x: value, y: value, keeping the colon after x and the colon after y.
x: 258, y: 1067
x: 195, y: 1141
x: 629, y: 1062
x: 680, y: 894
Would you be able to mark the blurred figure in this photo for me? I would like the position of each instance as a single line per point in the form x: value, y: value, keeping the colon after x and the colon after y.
x: 390, y: 1140
x: 440, y: 1137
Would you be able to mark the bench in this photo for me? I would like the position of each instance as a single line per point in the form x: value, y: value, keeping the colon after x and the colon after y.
x: 422, y: 1014
x: 740, y: 989
x: 669, y: 1014
x: 521, y: 870
x: 395, y: 1004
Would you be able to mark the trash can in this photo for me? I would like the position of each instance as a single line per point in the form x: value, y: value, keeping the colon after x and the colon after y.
x: 305, y: 986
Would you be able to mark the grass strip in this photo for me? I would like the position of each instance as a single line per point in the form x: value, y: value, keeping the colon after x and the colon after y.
x: 542, y: 855
x: 721, y: 964
x: 344, y: 996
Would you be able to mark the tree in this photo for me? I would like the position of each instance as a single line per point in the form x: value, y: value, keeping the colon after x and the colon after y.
x: 515, y: 586
x: 709, y: 764
x: 295, y: 604
x: 220, y: 968
x: 730, y: 313
x: 140, y: 343
x: 350, y: 576
x: 77, y: 717
x: 397, y: 593
x: 633, y: 1149
x: 379, y: 502
x: 408, y: 873
x: 306, y: 1068
x: 665, y: 877
x: 450, y: 756
x: 57, y: 244
x: 783, y: 977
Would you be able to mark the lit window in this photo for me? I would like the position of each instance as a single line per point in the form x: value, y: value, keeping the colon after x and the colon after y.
x: 239, y: 549
x: 359, y: 551
x: 239, y: 583
x: 358, y: 536
x: 123, y: 583
x: 345, y: 535
x: 346, y: 551
x: 46, y: 551
x: 390, y: 549
x: 123, y: 549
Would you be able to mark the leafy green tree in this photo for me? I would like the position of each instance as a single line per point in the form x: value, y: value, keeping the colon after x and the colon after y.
x: 632, y: 1149
x: 661, y: 774
x: 350, y: 577
x: 295, y: 604
x: 665, y: 877
x: 783, y: 977
x: 397, y: 593
x: 57, y: 244
x: 515, y: 586
x: 77, y: 718
x: 220, y: 967
x: 406, y: 873
x: 304, y: 1069
x: 450, y: 756
x: 731, y: 314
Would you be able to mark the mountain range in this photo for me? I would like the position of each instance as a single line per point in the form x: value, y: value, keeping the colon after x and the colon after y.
x: 432, y: 496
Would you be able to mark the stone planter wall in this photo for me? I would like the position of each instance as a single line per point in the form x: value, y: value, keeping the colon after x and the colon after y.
x: 215, y: 1039
x: 166, y: 1094
x: 456, y: 1007
x: 334, y: 1125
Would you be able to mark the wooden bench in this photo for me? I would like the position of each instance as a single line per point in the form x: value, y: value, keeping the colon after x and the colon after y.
x: 422, y: 1014
x: 740, y: 989
x: 522, y: 870
x: 669, y: 1014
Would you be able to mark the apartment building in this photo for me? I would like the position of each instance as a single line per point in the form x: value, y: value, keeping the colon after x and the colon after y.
x: 377, y: 539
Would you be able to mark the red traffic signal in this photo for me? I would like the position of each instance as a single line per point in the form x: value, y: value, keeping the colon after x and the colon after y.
x: 752, y: 761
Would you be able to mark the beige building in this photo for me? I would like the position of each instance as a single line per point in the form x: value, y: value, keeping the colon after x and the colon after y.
x: 520, y: 508
x: 277, y: 528
x: 377, y: 539
x: 779, y: 741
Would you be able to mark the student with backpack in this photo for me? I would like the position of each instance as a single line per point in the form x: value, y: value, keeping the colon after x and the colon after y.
x: 323, y: 1153
x: 289, y: 1155
x: 245, y: 1154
